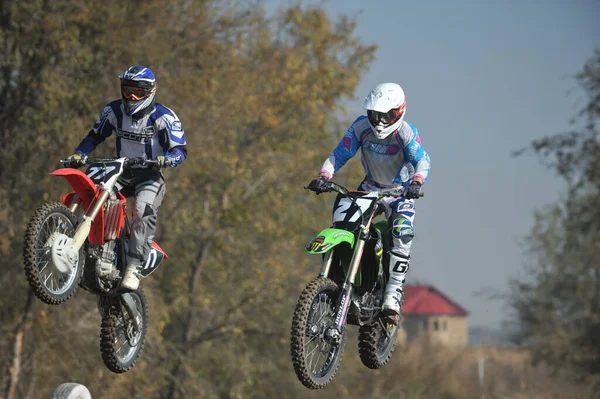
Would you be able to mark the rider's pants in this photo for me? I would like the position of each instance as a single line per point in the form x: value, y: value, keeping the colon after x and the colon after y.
x: 400, y: 213
x: 148, y: 187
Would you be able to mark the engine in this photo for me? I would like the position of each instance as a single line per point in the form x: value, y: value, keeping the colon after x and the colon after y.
x: 102, y: 271
x: 106, y: 271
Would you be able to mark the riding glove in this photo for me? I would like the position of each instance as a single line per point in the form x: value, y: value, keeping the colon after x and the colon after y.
x: 163, y: 161
x: 318, y: 184
x: 76, y: 159
x: 413, y: 191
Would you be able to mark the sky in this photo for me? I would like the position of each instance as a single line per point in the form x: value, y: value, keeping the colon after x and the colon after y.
x: 482, y: 79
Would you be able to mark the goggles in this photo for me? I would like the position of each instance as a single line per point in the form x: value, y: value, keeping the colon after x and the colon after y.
x: 385, y: 118
x: 135, y: 93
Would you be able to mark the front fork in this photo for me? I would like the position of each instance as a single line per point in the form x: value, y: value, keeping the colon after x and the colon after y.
x: 124, y: 303
x: 336, y: 331
x: 75, y: 203
x: 83, y: 230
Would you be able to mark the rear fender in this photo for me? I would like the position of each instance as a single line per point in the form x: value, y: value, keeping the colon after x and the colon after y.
x: 159, y: 249
x: 327, y: 239
x: 155, y: 257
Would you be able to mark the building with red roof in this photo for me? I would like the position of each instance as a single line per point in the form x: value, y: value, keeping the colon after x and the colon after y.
x: 430, y: 313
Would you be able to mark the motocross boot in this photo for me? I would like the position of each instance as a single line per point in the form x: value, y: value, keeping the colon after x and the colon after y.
x: 392, y: 302
x: 131, y: 279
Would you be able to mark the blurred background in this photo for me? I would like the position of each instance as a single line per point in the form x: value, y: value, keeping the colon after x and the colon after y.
x: 506, y: 96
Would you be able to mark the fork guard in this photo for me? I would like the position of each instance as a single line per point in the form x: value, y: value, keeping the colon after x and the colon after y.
x: 131, y: 307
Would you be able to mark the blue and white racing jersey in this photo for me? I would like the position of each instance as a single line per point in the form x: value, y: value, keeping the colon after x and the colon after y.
x: 157, y: 133
x: 395, y: 160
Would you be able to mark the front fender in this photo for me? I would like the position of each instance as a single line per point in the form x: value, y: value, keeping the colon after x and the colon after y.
x: 327, y: 239
x: 87, y: 191
x: 81, y: 183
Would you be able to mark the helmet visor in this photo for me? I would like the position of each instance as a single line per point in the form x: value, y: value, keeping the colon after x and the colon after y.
x: 135, y: 93
x: 384, y: 118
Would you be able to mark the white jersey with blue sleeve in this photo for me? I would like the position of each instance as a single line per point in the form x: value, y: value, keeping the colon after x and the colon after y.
x: 157, y: 133
x: 395, y: 160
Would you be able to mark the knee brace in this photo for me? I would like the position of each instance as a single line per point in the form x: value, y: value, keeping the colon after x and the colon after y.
x: 403, y: 213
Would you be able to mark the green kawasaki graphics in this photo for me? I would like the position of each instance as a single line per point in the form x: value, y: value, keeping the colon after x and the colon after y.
x: 328, y: 239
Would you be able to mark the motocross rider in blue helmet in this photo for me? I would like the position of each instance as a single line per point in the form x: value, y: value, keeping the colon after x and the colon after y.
x: 147, y: 129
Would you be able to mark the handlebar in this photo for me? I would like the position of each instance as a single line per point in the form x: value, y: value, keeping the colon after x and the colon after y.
x: 128, y: 161
x: 140, y: 161
x: 395, y: 192
x: 329, y: 187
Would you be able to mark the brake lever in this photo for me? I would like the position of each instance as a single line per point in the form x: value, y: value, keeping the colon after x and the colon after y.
x: 316, y: 192
x: 335, y: 187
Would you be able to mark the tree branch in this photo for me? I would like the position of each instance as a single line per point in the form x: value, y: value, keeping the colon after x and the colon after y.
x: 14, y: 369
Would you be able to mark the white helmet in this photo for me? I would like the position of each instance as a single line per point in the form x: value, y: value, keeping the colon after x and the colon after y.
x: 385, y: 107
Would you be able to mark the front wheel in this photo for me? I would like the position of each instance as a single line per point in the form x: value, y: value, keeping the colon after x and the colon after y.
x: 316, y: 345
x: 376, y: 343
x: 52, y: 268
x: 122, y: 336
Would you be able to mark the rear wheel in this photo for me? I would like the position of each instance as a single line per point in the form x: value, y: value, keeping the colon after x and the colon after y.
x: 376, y: 343
x: 316, y: 347
x: 122, y: 336
x: 46, y: 240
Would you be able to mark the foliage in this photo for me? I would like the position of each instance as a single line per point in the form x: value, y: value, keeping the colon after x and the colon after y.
x: 256, y: 95
x: 557, y: 305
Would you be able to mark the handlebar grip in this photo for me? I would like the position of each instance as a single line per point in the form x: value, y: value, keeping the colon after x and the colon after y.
x: 71, y: 164
x: 140, y: 161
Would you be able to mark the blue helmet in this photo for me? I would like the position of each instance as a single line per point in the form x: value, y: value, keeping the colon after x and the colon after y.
x: 138, y: 87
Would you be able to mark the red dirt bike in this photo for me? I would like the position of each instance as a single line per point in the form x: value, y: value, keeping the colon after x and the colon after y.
x: 83, y: 240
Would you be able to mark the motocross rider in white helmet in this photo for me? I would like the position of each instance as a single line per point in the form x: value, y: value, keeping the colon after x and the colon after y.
x: 392, y: 155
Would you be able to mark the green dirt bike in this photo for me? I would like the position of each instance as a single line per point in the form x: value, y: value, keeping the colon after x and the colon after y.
x: 349, y: 290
